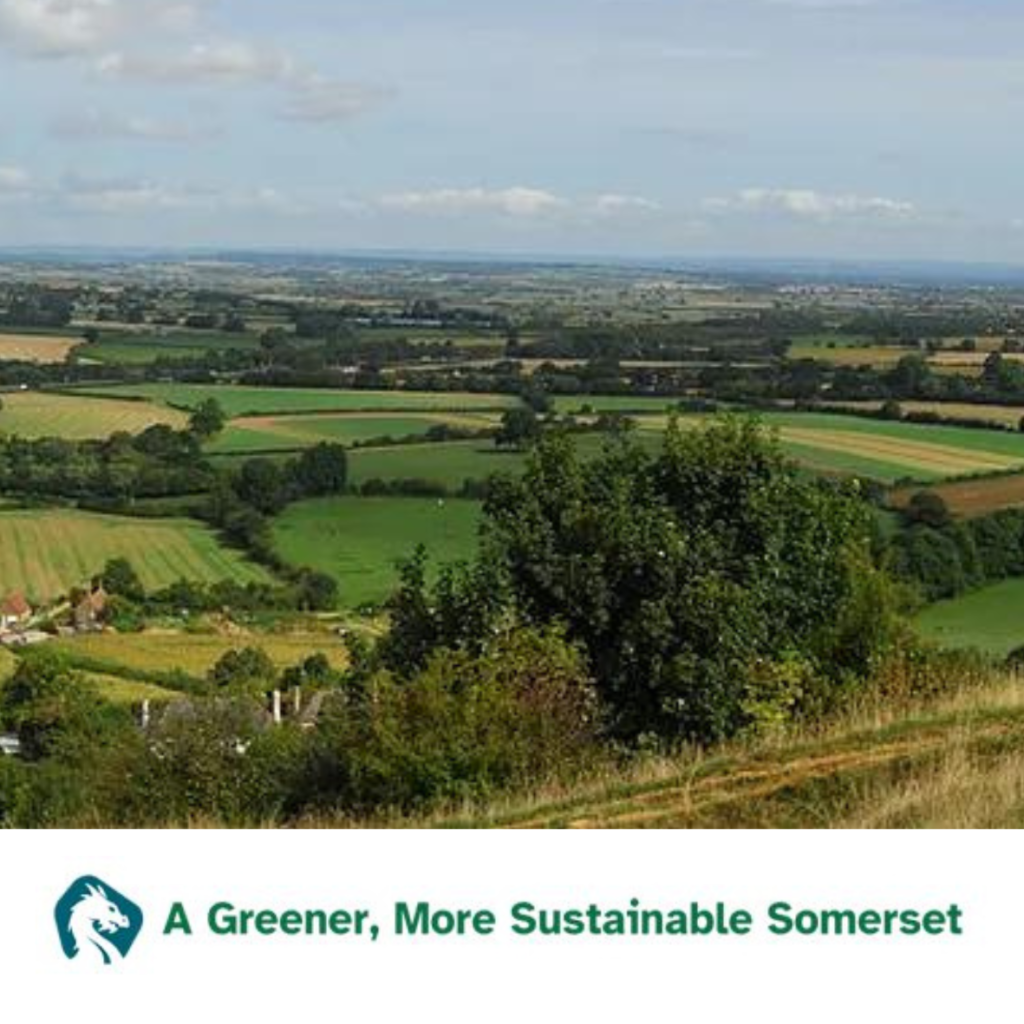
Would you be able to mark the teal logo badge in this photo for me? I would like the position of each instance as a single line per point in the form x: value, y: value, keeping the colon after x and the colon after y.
x: 96, y: 923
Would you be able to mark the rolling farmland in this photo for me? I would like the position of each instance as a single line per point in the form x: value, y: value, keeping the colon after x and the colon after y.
x: 33, y: 414
x: 887, y: 451
x: 257, y: 401
x: 46, y: 552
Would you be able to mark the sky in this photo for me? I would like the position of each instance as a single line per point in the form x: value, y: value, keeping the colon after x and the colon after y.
x: 859, y: 129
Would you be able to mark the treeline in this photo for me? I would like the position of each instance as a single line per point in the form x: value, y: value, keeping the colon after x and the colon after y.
x: 944, y: 557
x: 755, y: 337
x: 130, y: 606
x: 903, y: 327
x: 158, y: 463
x: 243, y: 501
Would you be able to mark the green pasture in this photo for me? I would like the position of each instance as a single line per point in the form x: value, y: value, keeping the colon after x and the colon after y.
x: 358, y: 541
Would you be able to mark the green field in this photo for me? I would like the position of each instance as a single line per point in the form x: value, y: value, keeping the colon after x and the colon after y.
x: 359, y: 540
x: 31, y: 414
x: 568, y: 405
x: 286, y: 433
x: 141, y: 347
x: 451, y: 463
x: 882, y: 450
x: 990, y: 619
x: 194, y: 654
x: 46, y: 552
x: 256, y: 401
x: 116, y: 690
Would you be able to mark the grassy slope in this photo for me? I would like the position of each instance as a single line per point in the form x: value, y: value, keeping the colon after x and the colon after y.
x: 991, y: 619
x: 955, y: 765
x: 359, y: 540
x: 46, y: 552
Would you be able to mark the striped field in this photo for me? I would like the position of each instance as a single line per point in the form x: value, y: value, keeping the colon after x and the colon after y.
x: 268, y: 433
x: 195, y: 654
x: 239, y: 401
x: 46, y: 552
x: 884, y: 451
x: 31, y: 414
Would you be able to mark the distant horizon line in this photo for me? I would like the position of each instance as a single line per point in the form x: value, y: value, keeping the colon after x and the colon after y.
x: 693, y: 263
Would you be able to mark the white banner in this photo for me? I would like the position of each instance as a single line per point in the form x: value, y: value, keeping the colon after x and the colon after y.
x: 330, y: 926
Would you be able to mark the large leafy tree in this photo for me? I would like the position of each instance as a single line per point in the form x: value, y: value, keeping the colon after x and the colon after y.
x: 688, y: 575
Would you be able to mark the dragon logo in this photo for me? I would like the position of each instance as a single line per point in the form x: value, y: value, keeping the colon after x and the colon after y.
x: 96, y: 923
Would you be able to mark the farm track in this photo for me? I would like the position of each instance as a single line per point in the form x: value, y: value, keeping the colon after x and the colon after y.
x: 747, y: 792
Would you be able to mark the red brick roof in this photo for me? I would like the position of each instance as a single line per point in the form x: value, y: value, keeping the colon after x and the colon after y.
x: 15, y: 606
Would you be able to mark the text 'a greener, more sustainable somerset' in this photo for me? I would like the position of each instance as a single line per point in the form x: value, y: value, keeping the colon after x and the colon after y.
x: 525, y: 919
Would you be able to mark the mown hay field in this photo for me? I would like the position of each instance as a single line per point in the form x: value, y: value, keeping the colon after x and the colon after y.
x: 47, y: 552
x: 968, y: 498
x: 285, y: 433
x: 886, y: 451
x: 195, y: 653
x: 257, y: 401
x: 32, y: 414
x: 358, y: 541
x: 848, y: 355
x: 36, y: 348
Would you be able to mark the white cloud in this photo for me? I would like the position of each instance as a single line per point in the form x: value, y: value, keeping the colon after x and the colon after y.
x: 806, y: 204
x: 226, y: 63
x: 307, y: 95
x: 59, y: 28
x: 612, y: 204
x: 93, y: 124
x: 512, y: 202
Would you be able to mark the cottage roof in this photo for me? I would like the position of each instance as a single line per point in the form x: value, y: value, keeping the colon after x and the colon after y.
x: 15, y: 606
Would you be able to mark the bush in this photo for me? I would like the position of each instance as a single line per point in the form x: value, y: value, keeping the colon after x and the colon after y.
x: 466, y: 725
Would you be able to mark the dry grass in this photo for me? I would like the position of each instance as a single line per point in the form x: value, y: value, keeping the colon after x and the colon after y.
x: 971, y: 497
x: 956, y: 762
x: 196, y: 654
x: 36, y: 348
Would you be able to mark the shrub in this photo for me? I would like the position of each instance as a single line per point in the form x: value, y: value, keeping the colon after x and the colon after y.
x: 466, y: 725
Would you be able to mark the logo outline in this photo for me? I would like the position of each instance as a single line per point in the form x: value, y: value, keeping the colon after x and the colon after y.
x: 95, y: 922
